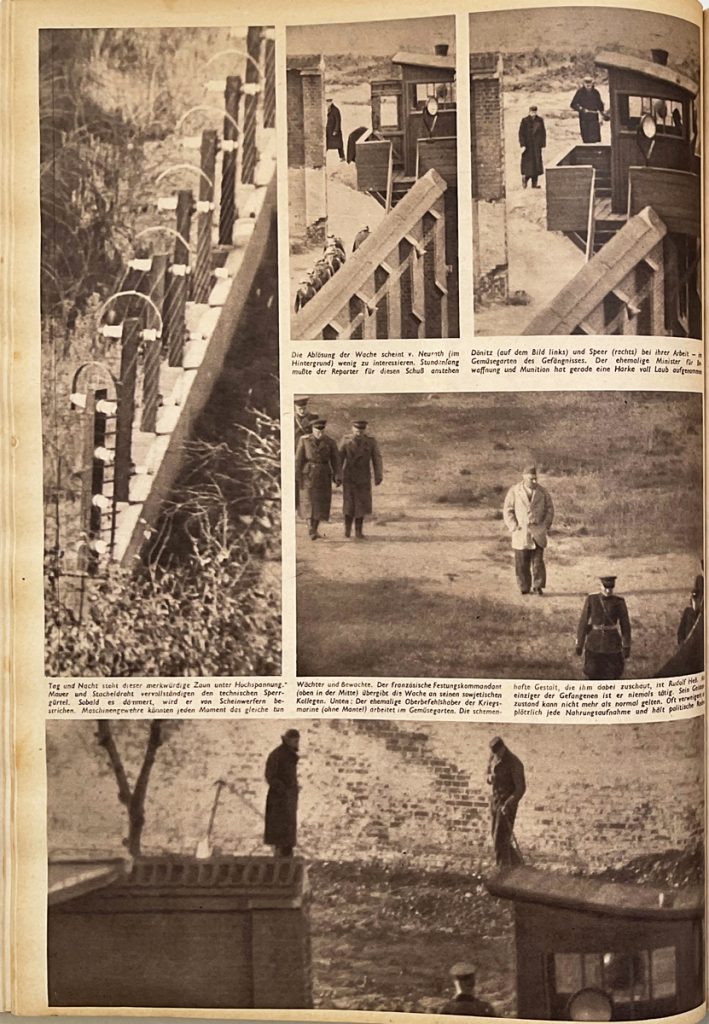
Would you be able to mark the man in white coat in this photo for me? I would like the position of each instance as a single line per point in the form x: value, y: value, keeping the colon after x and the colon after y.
x: 528, y: 513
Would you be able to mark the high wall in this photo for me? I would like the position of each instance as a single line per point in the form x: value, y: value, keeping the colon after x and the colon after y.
x: 307, y: 181
x: 597, y: 795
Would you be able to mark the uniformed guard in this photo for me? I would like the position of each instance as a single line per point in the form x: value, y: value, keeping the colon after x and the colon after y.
x: 603, y: 635
x: 303, y: 426
x: 359, y: 456
x: 317, y: 466
x: 464, y: 1001
x: 303, y: 419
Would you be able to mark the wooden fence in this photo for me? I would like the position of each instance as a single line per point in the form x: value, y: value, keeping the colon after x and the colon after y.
x: 396, y: 285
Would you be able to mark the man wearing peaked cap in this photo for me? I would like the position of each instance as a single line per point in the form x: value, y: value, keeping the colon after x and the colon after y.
x: 528, y: 513
x: 303, y: 425
x: 360, y: 457
x: 464, y: 1001
x: 603, y: 635
x: 317, y: 466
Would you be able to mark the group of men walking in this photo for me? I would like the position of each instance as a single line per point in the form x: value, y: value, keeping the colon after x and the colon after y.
x: 320, y: 464
x: 589, y: 106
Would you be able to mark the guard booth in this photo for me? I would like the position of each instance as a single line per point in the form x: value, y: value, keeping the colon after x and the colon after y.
x: 414, y: 127
x: 594, y: 950
x: 652, y: 163
x: 221, y: 932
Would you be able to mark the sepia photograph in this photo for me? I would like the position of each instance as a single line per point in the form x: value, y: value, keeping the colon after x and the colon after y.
x: 373, y: 179
x: 515, y: 535
x: 160, y: 392
x: 585, y: 148
x: 551, y: 872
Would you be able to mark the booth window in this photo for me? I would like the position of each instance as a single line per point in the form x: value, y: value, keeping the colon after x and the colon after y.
x: 628, y: 977
x: 389, y: 112
x: 444, y: 92
x: 668, y: 114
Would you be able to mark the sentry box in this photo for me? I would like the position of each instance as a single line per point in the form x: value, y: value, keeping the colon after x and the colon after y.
x: 652, y: 163
x: 414, y: 127
x: 594, y: 950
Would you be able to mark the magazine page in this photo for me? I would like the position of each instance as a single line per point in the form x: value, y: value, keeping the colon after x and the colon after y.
x: 358, y: 491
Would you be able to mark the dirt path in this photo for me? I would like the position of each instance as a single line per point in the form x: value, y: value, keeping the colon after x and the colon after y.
x: 541, y: 262
x: 460, y: 558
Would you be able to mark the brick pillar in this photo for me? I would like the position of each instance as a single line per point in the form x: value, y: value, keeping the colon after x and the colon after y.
x: 307, y: 178
x: 487, y: 144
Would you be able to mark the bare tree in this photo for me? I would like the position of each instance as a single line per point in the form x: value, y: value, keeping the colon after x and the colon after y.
x: 133, y: 799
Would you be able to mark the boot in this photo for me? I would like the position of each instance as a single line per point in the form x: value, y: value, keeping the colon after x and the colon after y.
x: 313, y: 528
x: 348, y: 526
x: 359, y: 523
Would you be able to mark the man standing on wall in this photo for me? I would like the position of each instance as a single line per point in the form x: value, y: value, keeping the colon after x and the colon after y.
x: 317, y: 466
x: 359, y: 456
x: 505, y: 774
x: 589, y: 106
x: 532, y: 139
x: 603, y: 635
x: 528, y: 513
x: 282, y: 800
x: 333, y: 130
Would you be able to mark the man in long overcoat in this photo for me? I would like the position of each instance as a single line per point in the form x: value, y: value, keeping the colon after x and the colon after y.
x: 333, y: 130
x: 282, y: 801
x: 532, y: 139
x: 505, y: 776
x: 359, y: 457
x: 588, y: 104
x: 303, y: 425
x: 528, y: 513
x: 317, y: 467
x: 603, y: 635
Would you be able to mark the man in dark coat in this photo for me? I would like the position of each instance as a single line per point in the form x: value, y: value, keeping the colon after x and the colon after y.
x: 505, y: 774
x: 464, y: 1002
x: 690, y: 615
x: 359, y: 456
x: 588, y: 104
x: 317, y: 466
x: 282, y: 799
x: 532, y: 139
x: 603, y: 635
x: 303, y: 425
x: 333, y: 130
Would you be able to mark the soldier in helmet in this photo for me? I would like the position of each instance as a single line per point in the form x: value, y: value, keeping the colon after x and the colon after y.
x: 359, y: 456
x: 464, y: 1001
x: 603, y: 635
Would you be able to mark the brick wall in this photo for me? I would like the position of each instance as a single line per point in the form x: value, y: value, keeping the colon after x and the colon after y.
x: 307, y: 182
x: 597, y: 795
x: 486, y: 126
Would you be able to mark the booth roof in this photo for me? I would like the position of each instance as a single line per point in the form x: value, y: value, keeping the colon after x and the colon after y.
x: 620, y: 899
x: 624, y: 62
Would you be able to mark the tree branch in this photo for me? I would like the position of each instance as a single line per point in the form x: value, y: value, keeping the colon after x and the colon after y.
x: 105, y: 740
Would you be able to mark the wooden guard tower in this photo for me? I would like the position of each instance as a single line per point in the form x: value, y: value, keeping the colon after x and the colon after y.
x: 594, y: 950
